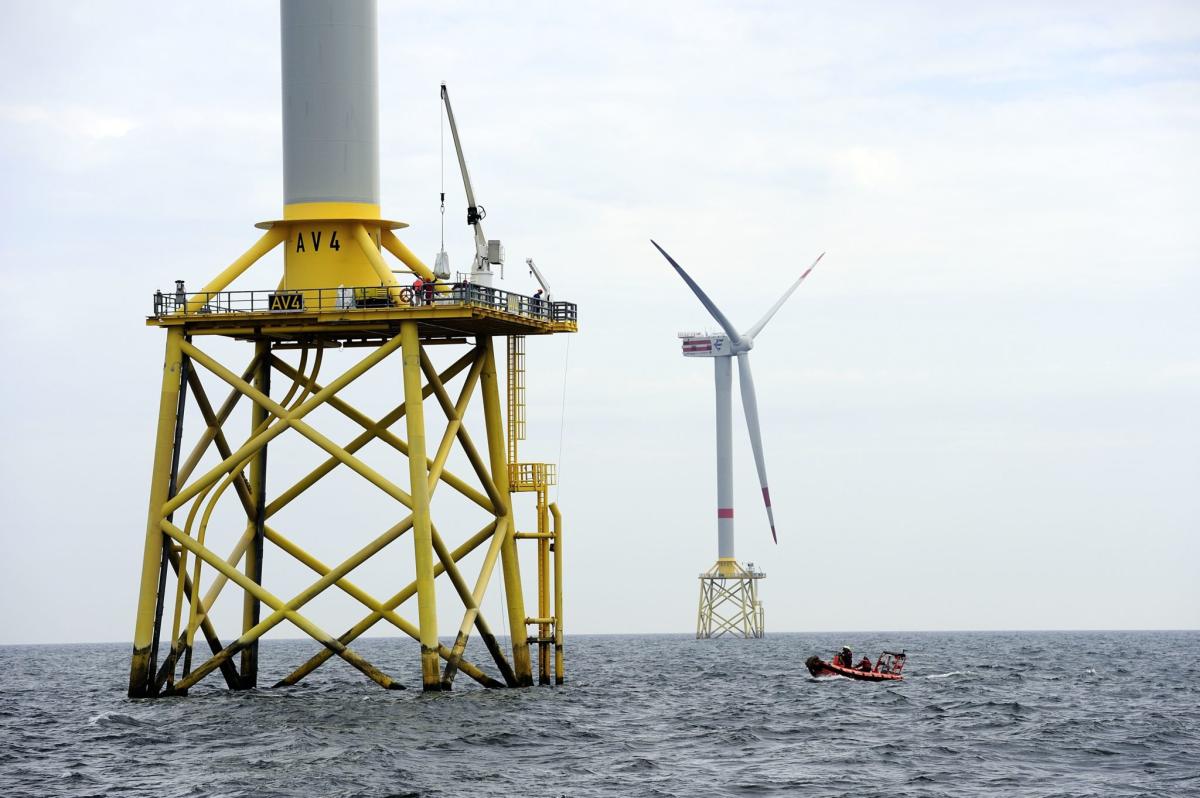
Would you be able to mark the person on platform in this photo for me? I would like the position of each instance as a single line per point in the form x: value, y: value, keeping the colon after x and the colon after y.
x: 460, y: 290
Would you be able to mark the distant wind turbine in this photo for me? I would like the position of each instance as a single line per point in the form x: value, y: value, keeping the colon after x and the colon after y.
x: 723, y: 348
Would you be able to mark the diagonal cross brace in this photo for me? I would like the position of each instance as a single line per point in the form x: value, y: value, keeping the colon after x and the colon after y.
x: 380, y: 431
x: 334, y: 576
x: 360, y: 441
x: 243, y: 488
x: 395, y: 601
x: 275, y: 603
x: 287, y: 419
x: 291, y: 418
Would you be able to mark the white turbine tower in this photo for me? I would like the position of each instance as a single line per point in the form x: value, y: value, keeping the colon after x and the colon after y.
x: 728, y: 592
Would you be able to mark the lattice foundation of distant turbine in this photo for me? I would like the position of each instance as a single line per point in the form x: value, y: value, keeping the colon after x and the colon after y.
x: 729, y: 603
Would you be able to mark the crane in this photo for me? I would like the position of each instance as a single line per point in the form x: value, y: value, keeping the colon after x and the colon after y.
x: 537, y: 273
x: 488, y: 253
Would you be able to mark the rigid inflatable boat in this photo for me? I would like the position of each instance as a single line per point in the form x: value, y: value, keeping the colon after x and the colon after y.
x: 888, y: 668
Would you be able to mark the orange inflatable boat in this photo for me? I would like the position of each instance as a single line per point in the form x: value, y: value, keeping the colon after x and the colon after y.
x: 888, y: 668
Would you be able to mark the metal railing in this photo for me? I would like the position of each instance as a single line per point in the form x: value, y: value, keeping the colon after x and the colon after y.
x: 361, y: 298
x: 743, y: 573
x: 529, y: 476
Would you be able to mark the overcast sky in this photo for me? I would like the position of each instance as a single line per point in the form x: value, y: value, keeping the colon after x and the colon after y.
x: 980, y: 411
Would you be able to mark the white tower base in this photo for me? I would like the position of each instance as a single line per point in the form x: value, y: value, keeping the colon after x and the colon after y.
x: 729, y: 601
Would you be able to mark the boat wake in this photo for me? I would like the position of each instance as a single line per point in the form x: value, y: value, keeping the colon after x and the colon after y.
x: 947, y: 675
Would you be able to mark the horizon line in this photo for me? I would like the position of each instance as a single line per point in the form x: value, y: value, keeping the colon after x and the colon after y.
x: 678, y: 634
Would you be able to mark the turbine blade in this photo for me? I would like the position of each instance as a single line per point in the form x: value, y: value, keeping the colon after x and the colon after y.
x: 713, y: 310
x: 750, y: 406
x: 757, y: 328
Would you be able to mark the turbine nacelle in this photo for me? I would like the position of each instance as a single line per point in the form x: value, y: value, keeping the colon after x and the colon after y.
x: 708, y: 344
x: 701, y: 345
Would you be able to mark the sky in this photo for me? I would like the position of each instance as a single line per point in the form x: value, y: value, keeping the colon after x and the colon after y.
x: 979, y: 412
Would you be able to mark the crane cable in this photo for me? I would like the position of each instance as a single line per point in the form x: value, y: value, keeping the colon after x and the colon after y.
x: 442, y: 166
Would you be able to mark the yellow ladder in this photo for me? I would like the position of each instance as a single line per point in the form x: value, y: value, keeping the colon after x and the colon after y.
x: 516, y: 395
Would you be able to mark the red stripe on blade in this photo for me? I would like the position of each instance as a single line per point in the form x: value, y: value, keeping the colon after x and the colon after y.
x: 766, y: 497
x: 724, y: 512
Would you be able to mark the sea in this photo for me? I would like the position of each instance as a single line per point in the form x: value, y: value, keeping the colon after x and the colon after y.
x: 979, y: 714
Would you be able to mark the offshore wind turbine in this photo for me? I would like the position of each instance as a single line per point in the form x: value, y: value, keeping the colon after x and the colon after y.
x: 728, y: 592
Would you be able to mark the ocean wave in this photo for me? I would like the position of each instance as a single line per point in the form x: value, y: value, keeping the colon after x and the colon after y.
x: 117, y: 719
x: 639, y: 717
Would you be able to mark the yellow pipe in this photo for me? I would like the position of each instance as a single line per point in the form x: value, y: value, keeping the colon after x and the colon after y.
x: 475, y: 597
x: 299, y: 378
x: 188, y: 636
x: 558, y: 594
x: 360, y: 441
x: 439, y: 390
x: 372, y: 603
x: 395, y: 601
x: 371, y: 251
x: 510, y: 566
x: 194, y: 599
x: 274, y: 602
x: 214, y: 420
x: 185, y: 641
x: 454, y: 416
x: 435, y: 472
x: 367, y: 423
x: 316, y: 588
x: 291, y: 419
x: 405, y: 255
x: 473, y: 671
x: 240, y: 485
x: 422, y: 532
x: 177, y: 640
x: 543, y: 564
x: 447, y: 558
x: 197, y: 614
x: 269, y: 241
x: 235, y: 556
x: 141, y: 678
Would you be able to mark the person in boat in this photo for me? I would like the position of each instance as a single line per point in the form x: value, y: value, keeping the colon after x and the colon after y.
x: 845, y: 658
x: 865, y: 665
